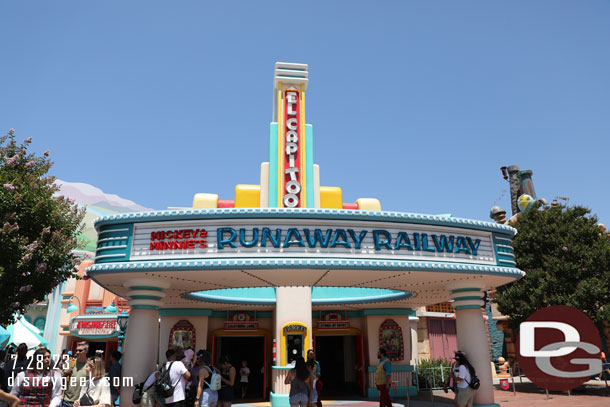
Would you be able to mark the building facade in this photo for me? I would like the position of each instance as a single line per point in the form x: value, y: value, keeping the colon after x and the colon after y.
x: 287, y: 266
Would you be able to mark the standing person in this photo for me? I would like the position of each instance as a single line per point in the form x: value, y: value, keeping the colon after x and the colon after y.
x: 244, y: 372
x: 178, y: 377
x: 115, y: 371
x: 228, y: 373
x: 465, y: 373
x: 73, y: 375
x: 39, y: 385
x: 96, y: 393
x: 15, y: 366
x: 383, y: 378
x: 315, y: 367
x: 300, y: 381
x: 206, y: 397
x: 314, y: 380
x: 191, y: 386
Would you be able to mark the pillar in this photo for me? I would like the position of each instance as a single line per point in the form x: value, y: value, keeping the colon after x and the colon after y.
x: 142, y: 336
x: 471, y: 336
x: 292, y: 304
x: 414, y: 340
x: 292, y: 315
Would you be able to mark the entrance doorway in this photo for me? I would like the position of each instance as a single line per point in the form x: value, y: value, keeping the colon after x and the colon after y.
x: 251, y: 349
x: 340, y: 358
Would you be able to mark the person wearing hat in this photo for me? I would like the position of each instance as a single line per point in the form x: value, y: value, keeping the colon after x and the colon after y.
x: 463, y: 373
x: 15, y: 366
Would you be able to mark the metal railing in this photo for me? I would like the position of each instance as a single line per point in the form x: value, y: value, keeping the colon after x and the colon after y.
x: 432, y: 378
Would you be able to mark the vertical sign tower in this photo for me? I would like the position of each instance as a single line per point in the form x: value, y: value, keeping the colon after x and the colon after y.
x: 291, y: 174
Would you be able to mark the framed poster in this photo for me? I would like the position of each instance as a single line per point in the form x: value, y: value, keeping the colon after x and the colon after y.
x: 182, y: 335
x: 390, y: 338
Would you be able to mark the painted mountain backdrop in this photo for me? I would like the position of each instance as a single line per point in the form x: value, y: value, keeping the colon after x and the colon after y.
x: 97, y: 204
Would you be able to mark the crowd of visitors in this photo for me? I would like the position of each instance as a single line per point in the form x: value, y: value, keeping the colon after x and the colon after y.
x: 67, y: 381
x: 187, y: 379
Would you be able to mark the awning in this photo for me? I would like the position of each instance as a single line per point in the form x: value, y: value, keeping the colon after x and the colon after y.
x: 24, y: 332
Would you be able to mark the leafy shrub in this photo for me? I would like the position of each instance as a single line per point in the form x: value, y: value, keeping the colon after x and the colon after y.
x: 429, y: 372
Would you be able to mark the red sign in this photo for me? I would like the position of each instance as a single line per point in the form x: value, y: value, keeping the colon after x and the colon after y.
x: 93, y: 327
x: 183, y: 239
x: 97, y: 323
x: 292, y: 150
x: 559, y: 348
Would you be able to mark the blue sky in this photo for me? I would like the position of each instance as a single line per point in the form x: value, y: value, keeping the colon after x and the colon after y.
x: 415, y: 103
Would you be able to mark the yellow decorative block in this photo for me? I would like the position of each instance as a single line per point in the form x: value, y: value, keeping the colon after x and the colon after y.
x: 202, y: 201
x: 247, y: 196
x: 331, y: 197
x: 368, y: 204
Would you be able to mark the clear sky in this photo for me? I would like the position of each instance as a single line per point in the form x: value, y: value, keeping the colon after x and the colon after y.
x: 415, y: 103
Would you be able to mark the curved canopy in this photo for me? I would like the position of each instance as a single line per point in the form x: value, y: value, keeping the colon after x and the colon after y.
x: 24, y: 332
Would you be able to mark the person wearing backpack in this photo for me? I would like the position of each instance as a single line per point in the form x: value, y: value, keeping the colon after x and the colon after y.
x: 209, y: 382
x: 467, y: 381
x: 171, y: 383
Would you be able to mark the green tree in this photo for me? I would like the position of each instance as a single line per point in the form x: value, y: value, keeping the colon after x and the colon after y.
x: 566, y: 258
x: 38, y: 229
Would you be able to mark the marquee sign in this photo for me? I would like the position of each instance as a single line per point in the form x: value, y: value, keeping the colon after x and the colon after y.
x: 303, y: 238
x: 93, y: 327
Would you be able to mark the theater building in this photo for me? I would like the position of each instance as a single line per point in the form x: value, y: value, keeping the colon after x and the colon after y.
x: 287, y: 265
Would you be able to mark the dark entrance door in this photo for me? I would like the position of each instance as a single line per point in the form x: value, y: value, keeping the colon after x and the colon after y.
x: 338, y: 364
x: 251, y: 349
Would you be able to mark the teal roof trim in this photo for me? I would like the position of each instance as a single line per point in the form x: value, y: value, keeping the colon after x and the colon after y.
x: 341, y: 264
x: 311, y: 213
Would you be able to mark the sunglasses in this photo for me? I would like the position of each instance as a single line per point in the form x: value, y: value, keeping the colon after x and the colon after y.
x: 79, y: 350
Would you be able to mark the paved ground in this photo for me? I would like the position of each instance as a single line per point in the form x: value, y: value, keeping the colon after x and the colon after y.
x: 592, y: 394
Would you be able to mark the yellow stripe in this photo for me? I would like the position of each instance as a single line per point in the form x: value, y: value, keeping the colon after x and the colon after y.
x: 279, y: 144
x: 303, y: 140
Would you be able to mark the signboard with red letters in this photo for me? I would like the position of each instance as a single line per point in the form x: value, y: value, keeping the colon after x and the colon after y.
x: 93, y: 327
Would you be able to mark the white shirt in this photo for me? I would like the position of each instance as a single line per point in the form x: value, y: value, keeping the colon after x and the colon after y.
x: 463, y: 373
x: 244, y: 374
x: 55, y: 379
x: 176, y: 377
x: 99, y: 391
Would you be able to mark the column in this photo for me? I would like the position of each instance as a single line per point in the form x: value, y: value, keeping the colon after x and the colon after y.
x: 293, y: 314
x: 142, y: 336
x: 471, y: 336
x: 414, y: 340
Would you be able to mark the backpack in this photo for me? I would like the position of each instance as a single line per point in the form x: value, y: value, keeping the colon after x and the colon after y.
x: 163, y: 383
x: 215, y: 383
x: 474, y: 383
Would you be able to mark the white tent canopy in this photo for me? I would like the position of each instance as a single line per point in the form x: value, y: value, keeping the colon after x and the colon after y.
x: 24, y: 332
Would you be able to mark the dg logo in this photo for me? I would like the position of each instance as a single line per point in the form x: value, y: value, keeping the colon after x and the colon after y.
x: 559, y: 348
